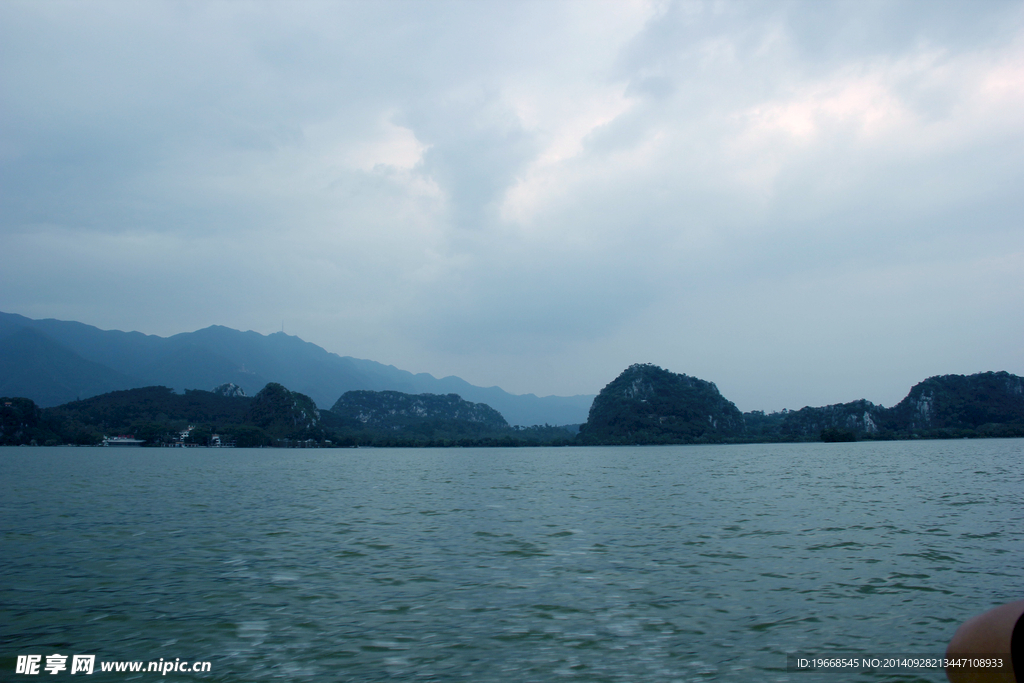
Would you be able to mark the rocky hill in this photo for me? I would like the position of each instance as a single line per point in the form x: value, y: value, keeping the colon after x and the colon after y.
x: 647, y: 404
x: 960, y: 402
x: 856, y: 417
x: 395, y: 410
x: 157, y: 415
x: 944, y: 406
x: 285, y: 414
x: 418, y: 417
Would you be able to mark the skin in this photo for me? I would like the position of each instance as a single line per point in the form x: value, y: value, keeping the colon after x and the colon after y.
x: 985, y: 634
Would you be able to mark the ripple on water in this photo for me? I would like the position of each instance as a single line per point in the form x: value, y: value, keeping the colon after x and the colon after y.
x: 613, y: 564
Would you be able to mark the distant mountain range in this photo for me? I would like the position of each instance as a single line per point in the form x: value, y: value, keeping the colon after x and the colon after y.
x: 53, y: 362
x: 643, y: 405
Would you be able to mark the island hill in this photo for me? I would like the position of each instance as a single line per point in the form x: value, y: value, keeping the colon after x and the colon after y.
x: 645, y: 404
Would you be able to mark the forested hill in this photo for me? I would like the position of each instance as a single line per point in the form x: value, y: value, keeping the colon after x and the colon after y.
x: 393, y: 418
x: 395, y: 410
x: 643, y: 405
x: 275, y: 416
x: 944, y: 406
x: 958, y: 402
x: 647, y: 404
x: 159, y: 416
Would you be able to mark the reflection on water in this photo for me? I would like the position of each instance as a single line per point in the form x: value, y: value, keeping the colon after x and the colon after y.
x: 596, y: 564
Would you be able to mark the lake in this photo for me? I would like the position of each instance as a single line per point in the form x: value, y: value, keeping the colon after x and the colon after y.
x: 676, y: 563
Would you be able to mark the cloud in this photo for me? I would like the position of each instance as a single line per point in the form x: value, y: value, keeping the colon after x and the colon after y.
x: 527, y: 194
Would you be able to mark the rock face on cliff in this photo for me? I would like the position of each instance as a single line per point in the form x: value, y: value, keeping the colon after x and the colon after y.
x: 394, y: 410
x: 230, y: 390
x: 647, y: 404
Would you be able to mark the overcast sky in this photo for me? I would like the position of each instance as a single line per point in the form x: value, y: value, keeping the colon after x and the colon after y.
x: 803, y: 202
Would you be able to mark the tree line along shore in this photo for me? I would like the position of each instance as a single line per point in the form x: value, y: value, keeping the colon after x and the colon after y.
x: 645, y: 404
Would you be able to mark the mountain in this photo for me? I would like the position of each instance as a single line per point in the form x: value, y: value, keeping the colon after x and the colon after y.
x: 647, y: 404
x: 158, y: 415
x: 285, y: 414
x: 984, y: 404
x: 276, y: 416
x: 155, y: 414
x: 958, y: 402
x: 392, y: 410
x: 35, y: 366
x: 856, y: 417
x: 66, y: 361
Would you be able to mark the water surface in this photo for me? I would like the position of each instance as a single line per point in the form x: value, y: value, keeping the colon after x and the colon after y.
x: 688, y: 563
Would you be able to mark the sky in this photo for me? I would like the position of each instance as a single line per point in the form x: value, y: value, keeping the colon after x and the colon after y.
x: 804, y: 202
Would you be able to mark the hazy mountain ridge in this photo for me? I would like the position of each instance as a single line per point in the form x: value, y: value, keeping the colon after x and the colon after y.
x: 84, y: 361
x: 54, y: 362
x: 35, y: 366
